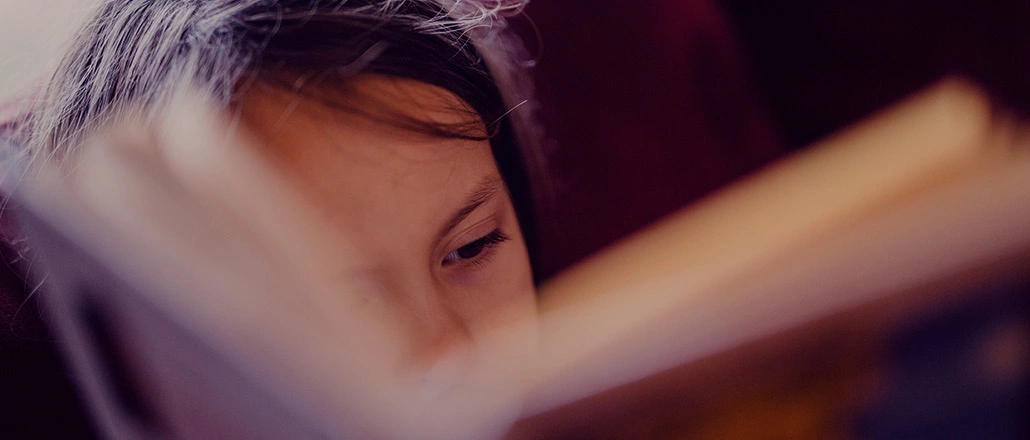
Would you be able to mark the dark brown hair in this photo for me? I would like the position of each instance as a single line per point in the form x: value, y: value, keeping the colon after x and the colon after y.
x: 133, y: 56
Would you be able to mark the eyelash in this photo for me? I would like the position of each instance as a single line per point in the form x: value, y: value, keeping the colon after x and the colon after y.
x: 480, y: 248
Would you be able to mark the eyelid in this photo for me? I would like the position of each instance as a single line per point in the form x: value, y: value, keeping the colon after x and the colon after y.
x: 487, y: 194
x: 476, y: 228
x: 485, y: 219
x: 486, y: 243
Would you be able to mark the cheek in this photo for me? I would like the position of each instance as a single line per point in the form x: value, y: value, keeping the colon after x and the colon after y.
x: 506, y: 290
x: 501, y: 286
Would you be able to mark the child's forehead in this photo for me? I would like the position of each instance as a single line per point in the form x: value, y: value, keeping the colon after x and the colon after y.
x: 363, y: 169
x: 403, y: 102
x: 371, y: 128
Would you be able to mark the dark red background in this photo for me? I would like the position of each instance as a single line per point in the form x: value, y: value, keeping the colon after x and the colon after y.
x: 656, y: 103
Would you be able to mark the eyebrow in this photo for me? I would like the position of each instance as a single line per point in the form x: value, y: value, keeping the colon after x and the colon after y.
x: 486, y: 190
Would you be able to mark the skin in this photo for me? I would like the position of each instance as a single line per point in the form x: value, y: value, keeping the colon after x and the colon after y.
x: 438, y: 244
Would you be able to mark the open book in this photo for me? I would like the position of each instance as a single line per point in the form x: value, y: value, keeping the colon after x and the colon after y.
x: 170, y: 303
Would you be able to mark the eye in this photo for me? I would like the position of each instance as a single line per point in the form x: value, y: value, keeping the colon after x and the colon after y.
x: 476, y: 248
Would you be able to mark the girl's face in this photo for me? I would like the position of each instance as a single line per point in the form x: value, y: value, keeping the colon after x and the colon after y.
x: 435, y: 230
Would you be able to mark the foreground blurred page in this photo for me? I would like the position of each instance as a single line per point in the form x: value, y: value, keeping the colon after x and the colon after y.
x: 870, y: 230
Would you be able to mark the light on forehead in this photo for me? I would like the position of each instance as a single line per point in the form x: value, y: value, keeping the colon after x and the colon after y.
x: 410, y: 105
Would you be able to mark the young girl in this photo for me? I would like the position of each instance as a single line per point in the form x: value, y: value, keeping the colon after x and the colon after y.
x: 402, y: 122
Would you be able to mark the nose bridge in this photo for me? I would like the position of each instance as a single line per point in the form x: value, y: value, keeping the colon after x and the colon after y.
x: 436, y: 324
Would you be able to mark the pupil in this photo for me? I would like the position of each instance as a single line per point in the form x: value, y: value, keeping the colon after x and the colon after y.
x: 472, y: 249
